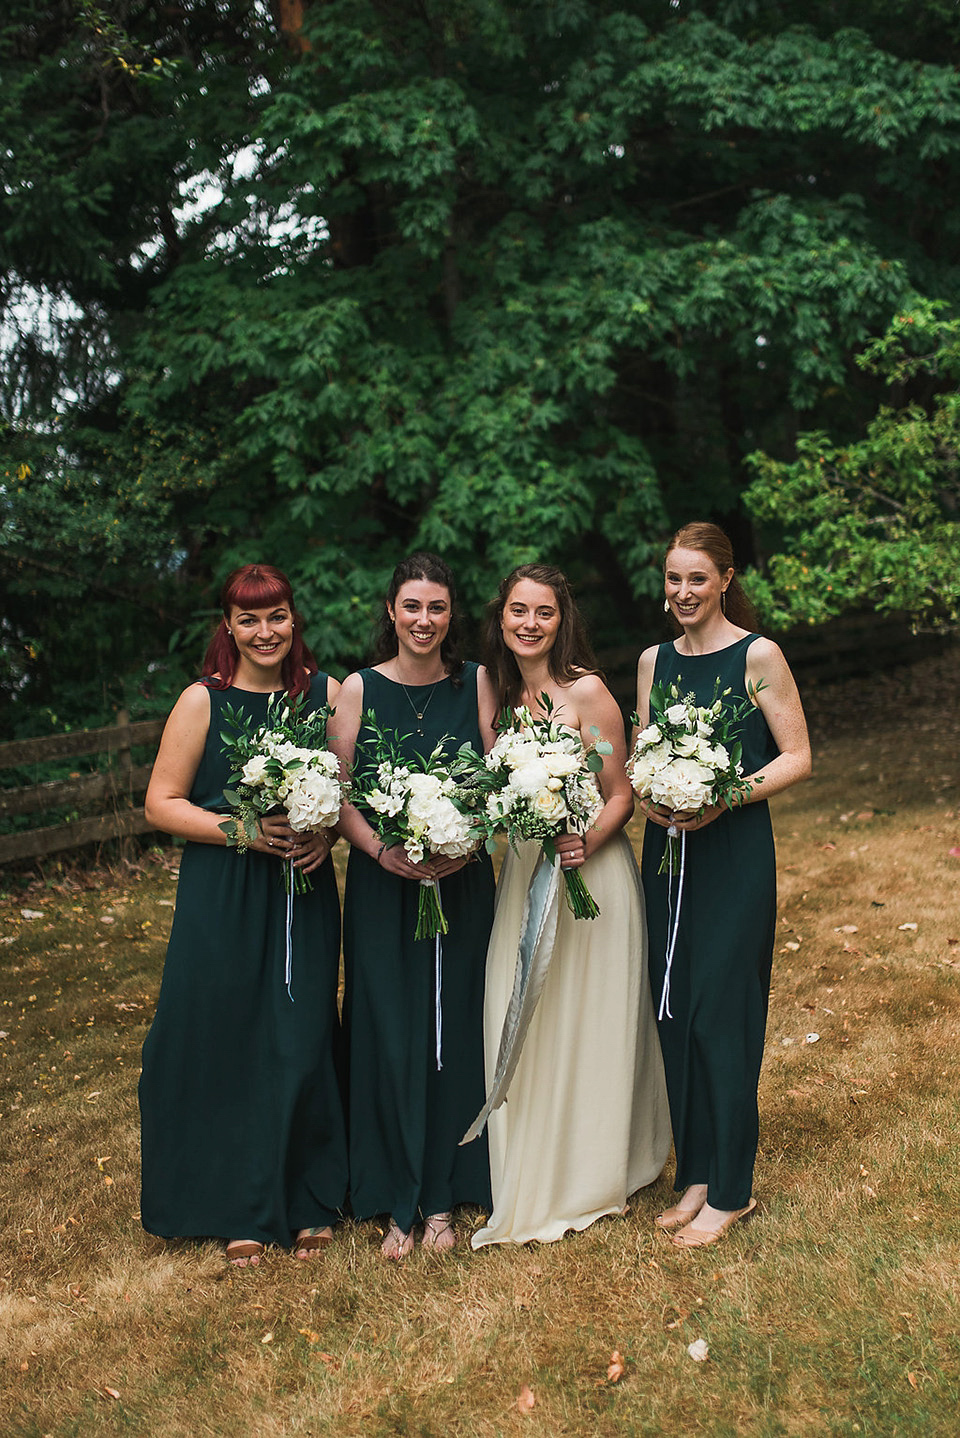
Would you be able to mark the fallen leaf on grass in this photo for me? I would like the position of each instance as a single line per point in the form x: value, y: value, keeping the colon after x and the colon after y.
x: 954, y: 853
x: 267, y: 1338
x: 912, y: 1380
x: 525, y: 1399
x: 791, y: 947
x: 912, y: 928
x: 828, y: 846
x: 309, y: 1335
x: 106, y: 1158
x: 616, y: 1367
x: 846, y: 929
x: 332, y: 1362
x: 31, y: 913
x: 699, y: 1351
x: 682, y: 1313
x: 106, y: 1392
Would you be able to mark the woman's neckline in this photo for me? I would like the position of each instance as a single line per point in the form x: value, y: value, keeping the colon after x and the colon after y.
x: 401, y: 684
x: 709, y: 653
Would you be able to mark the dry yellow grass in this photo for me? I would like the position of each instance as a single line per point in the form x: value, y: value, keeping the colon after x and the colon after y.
x: 836, y: 1310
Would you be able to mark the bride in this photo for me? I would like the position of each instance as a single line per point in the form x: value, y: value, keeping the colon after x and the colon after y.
x: 585, y: 1122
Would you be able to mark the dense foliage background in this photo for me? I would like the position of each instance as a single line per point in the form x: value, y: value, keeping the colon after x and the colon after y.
x: 320, y: 282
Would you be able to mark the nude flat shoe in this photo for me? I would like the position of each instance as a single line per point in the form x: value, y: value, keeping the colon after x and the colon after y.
x: 702, y: 1238
x: 678, y: 1215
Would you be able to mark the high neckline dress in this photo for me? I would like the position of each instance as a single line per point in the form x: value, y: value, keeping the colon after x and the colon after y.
x: 406, y: 1119
x: 720, y: 977
x: 242, y: 1122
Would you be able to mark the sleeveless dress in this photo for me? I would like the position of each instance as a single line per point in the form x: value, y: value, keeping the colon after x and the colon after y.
x: 720, y: 977
x: 406, y: 1118
x: 585, y: 1122
x: 242, y: 1122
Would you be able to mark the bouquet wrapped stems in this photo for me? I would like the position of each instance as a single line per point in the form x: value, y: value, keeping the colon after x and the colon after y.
x: 580, y: 901
x: 431, y: 920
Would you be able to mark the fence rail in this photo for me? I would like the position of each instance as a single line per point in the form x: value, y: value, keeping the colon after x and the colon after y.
x: 116, y: 789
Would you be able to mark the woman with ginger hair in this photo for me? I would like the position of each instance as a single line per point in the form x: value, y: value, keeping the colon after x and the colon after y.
x: 241, y: 1117
x: 719, y: 982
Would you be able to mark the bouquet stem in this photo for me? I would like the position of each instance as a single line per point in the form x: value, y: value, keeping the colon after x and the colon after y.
x: 431, y: 919
x: 670, y: 862
x: 302, y: 883
x: 579, y: 898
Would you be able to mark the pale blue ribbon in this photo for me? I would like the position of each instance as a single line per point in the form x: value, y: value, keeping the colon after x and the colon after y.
x: 673, y: 920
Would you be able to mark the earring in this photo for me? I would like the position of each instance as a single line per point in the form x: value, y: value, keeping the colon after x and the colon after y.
x: 666, y: 606
x: 723, y: 601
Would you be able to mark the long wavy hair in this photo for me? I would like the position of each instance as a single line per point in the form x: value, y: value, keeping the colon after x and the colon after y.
x: 257, y: 586
x: 434, y: 570
x: 709, y: 539
x: 571, y: 655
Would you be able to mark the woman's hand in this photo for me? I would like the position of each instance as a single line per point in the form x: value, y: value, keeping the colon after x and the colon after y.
x: 306, y: 850
x: 571, y: 849
x: 690, y: 820
x: 395, y: 861
x: 655, y: 813
x: 441, y: 866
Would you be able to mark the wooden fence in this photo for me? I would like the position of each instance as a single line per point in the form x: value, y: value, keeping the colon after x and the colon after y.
x: 114, y: 790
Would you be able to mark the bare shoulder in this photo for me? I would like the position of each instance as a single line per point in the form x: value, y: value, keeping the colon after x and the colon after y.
x: 193, y: 706
x: 351, y: 690
x: 333, y: 689
x: 589, y: 688
x: 764, y: 657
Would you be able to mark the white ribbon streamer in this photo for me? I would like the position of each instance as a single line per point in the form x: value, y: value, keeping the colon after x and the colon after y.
x: 672, y: 919
x: 288, y: 968
x: 437, y: 975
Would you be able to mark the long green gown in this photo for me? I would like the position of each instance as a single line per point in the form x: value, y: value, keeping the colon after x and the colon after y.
x: 720, y: 979
x: 242, y: 1123
x: 406, y: 1118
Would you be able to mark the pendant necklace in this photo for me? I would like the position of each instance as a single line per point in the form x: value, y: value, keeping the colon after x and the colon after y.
x: 419, y: 712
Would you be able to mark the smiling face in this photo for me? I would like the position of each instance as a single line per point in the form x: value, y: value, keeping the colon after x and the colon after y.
x: 693, y: 585
x: 530, y: 619
x: 263, y: 638
x: 421, y: 616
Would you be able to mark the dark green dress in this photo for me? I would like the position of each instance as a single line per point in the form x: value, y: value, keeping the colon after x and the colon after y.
x: 406, y: 1118
x: 242, y: 1124
x: 720, y: 979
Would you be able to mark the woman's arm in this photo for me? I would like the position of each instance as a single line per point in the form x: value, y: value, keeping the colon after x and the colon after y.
x: 646, y: 667
x: 779, y: 702
x: 597, y: 708
x: 352, y: 824
x: 167, y: 805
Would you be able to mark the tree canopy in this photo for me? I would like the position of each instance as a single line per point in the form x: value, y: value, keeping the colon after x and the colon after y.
x: 324, y: 282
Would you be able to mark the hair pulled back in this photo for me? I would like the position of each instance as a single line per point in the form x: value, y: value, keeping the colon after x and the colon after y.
x: 257, y: 586
x: 709, y: 539
x: 434, y: 570
x: 572, y: 654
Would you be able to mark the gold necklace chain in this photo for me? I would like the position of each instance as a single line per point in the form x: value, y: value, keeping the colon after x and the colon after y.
x: 420, y: 712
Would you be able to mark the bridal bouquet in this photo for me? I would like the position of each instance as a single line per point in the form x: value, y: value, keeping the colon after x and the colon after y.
x: 283, y: 765
x: 538, y: 781
x: 416, y: 802
x: 688, y: 756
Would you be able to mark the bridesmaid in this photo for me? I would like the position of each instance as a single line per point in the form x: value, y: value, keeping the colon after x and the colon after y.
x: 585, y: 1121
x: 406, y: 1115
x: 720, y: 975
x: 241, y: 1116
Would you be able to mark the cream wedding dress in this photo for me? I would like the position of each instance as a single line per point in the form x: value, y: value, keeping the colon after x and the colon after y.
x: 585, y: 1123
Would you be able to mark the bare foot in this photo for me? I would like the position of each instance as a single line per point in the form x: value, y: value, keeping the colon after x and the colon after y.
x: 397, y: 1244
x: 439, y: 1233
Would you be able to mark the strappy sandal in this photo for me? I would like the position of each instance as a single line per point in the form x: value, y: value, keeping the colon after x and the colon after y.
x: 244, y: 1252
x: 435, y: 1229
x: 681, y: 1213
x: 311, y: 1241
x: 397, y: 1244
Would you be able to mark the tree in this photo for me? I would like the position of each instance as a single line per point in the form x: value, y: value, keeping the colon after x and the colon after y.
x: 504, y: 280
x: 875, y: 521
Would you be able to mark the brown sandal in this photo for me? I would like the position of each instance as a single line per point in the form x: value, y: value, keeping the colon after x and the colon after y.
x: 435, y: 1229
x: 244, y: 1252
x: 311, y: 1241
x: 397, y: 1244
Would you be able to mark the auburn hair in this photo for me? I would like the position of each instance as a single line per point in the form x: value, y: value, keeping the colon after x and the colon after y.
x: 709, y: 539
x: 571, y: 655
x: 257, y: 586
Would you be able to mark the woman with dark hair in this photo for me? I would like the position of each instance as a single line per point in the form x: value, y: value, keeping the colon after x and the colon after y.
x: 406, y: 1112
x: 585, y: 1121
x: 241, y: 1117
x: 720, y: 972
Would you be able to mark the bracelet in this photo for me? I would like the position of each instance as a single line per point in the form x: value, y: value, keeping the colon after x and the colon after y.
x: 380, y: 851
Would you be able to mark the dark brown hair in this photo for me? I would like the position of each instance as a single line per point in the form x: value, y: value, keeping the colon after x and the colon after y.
x: 257, y: 586
x: 434, y: 570
x: 709, y: 539
x: 571, y: 655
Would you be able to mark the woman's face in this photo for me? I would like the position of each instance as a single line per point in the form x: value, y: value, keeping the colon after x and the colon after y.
x: 421, y: 616
x: 530, y: 620
x: 263, y: 636
x: 693, y: 585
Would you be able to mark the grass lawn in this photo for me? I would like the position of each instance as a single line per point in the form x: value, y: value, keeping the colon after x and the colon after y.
x: 835, y: 1310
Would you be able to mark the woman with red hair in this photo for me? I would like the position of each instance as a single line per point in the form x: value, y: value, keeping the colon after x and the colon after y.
x: 241, y: 1117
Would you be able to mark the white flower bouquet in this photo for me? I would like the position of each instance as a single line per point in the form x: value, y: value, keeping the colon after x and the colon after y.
x: 283, y: 766
x: 417, y: 803
x: 688, y: 756
x: 538, y: 781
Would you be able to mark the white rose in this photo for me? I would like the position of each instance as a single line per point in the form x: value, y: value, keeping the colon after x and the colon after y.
x: 255, y: 770
x: 650, y: 735
x: 676, y: 714
x: 687, y: 746
x: 549, y: 806
x: 684, y: 784
x: 559, y: 765
x: 529, y: 778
